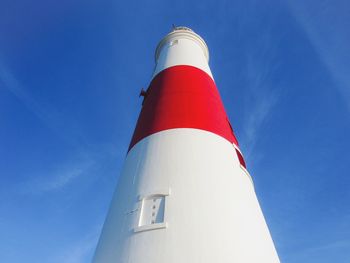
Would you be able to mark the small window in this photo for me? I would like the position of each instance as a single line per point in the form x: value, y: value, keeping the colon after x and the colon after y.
x: 152, y: 210
x: 229, y: 124
x: 174, y: 42
x: 240, y: 158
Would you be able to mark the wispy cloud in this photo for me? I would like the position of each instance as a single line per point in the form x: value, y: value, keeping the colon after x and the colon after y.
x: 326, y: 23
x: 84, y: 166
x: 64, y: 172
x: 10, y: 82
x: 55, y: 179
x: 259, y: 114
x: 80, y: 251
x: 50, y: 116
x: 260, y: 65
x: 322, y: 252
x: 331, y: 245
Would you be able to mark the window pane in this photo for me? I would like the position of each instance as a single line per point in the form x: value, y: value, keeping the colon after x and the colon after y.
x: 152, y: 210
x: 240, y: 158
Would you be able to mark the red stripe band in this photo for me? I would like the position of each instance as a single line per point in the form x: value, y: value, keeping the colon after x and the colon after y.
x: 182, y: 97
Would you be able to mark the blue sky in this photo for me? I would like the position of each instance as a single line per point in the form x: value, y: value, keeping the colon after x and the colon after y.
x: 70, y: 75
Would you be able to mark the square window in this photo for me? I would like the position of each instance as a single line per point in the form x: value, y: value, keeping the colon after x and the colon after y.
x: 174, y: 42
x: 152, y: 211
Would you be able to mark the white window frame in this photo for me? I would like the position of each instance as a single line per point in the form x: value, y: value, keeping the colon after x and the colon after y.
x: 142, y: 198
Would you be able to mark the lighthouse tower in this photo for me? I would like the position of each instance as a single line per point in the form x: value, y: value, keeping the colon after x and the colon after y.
x: 184, y: 194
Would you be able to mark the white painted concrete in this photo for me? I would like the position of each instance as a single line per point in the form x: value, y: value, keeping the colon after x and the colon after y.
x: 182, y: 48
x: 211, y: 211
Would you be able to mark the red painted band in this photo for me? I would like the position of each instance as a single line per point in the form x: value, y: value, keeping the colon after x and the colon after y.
x: 182, y: 97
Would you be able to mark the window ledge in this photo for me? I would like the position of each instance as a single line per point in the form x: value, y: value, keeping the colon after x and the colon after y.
x: 150, y: 227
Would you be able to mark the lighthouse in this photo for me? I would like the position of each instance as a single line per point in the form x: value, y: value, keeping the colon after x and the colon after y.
x: 184, y: 194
